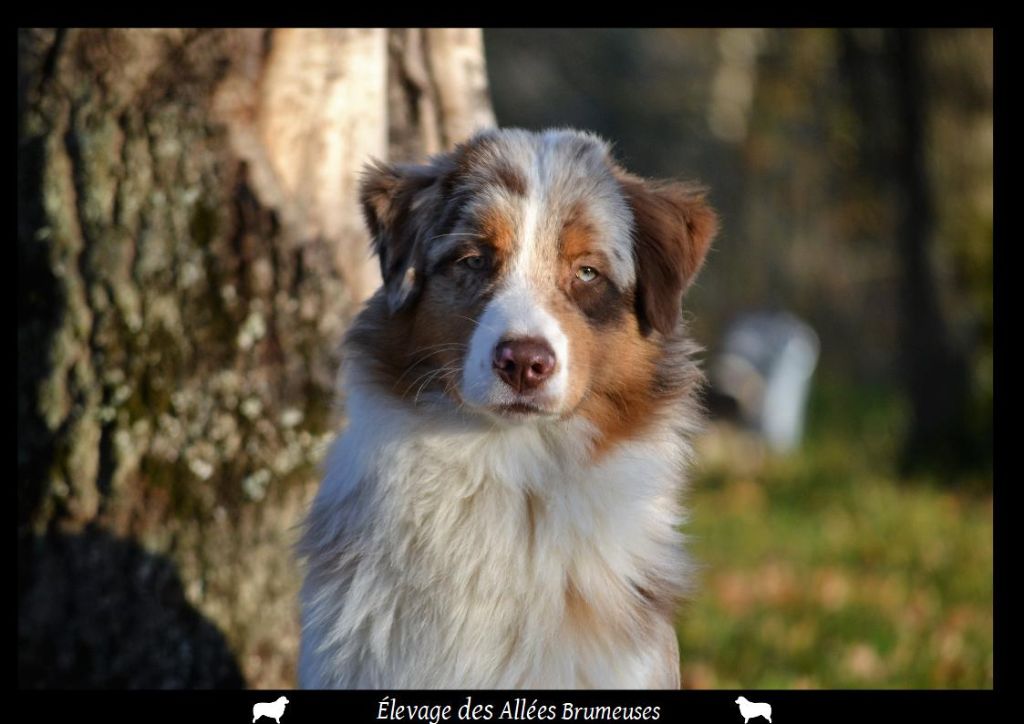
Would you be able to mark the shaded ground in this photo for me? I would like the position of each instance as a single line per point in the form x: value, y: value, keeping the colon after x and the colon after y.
x: 96, y: 611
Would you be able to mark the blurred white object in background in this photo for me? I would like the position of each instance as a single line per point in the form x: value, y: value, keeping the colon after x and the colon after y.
x: 765, y: 367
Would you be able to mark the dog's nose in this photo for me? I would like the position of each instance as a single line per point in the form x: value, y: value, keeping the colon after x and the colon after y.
x: 524, y: 363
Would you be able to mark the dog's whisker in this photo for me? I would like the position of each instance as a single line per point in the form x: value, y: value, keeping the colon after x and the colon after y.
x: 476, y: 322
x: 441, y: 348
x: 429, y: 374
x: 426, y: 374
x: 427, y: 382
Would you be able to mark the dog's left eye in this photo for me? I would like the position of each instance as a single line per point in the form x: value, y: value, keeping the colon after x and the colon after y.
x: 586, y: 274
x: 476, y: 263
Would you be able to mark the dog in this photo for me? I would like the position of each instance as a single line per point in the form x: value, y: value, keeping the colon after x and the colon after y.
x: 270, y: 709
x: 502, y: 509
x: 752, y: 709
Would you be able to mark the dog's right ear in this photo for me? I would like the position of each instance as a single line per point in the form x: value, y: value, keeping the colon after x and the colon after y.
x: 396, y: 204
x: 673, y: 228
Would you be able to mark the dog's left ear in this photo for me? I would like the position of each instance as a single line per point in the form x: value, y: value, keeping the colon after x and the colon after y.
x: 673, y: 228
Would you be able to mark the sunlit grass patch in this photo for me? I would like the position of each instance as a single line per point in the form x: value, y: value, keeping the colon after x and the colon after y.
x: 825, y: 569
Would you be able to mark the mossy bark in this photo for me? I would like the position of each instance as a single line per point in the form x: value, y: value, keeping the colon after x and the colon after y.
x: 189, y: 252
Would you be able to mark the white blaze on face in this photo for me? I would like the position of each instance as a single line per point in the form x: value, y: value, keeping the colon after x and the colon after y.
x: 516, y: 312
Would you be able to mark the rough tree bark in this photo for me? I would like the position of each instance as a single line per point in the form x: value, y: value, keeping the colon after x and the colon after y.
x: 189, y: 252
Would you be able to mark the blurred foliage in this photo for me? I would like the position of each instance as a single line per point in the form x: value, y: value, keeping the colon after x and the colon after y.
x: 823, y: 569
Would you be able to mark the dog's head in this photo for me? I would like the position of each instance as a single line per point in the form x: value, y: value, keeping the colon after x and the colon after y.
x: 527, y: 276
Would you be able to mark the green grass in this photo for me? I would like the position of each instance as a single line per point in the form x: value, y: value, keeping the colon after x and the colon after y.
x: 825, y: 569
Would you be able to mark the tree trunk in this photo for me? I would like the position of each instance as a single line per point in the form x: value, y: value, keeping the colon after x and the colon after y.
x: 189, y: 251
x: 935, y: 367
x: 888, y: 77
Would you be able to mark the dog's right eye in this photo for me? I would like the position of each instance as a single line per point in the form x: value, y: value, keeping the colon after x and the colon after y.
x: 476, y: 263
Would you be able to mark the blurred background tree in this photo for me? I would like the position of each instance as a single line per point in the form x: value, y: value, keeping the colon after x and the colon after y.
x: 853, y: 172
x: 190, y: 249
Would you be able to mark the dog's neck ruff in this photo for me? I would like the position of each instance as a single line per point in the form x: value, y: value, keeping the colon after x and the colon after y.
x: 445, y: 551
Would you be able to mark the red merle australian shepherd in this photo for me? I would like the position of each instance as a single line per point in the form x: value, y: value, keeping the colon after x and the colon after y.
x: 502, y: 509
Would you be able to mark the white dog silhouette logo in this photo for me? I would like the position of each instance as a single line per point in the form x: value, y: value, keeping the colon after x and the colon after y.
x: 752, y: 709
x: 271, y: 709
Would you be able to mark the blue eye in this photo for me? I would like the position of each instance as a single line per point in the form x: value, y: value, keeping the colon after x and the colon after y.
x: 586, y: 274
x: 476, y: 263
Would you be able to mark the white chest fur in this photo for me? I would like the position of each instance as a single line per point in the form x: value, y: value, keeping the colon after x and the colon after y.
x: 444, y: 554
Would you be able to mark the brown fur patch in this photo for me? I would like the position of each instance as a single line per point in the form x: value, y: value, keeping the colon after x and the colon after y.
x: 475, y: 157
x: 577, y: 234
x: 471, y: 155
x: 634, y: 379
x: 416, y: 351
x: 660, y: 595
x: 599, y: 299
x: 495, y: 227
x: 380, y: 341
x: 620, y: 375
x: 620, y: 403
x: 534, y: 509
x: 614, y: 613
x: 616, y: 375
x: 510, y: 179
x: 578, y: 610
